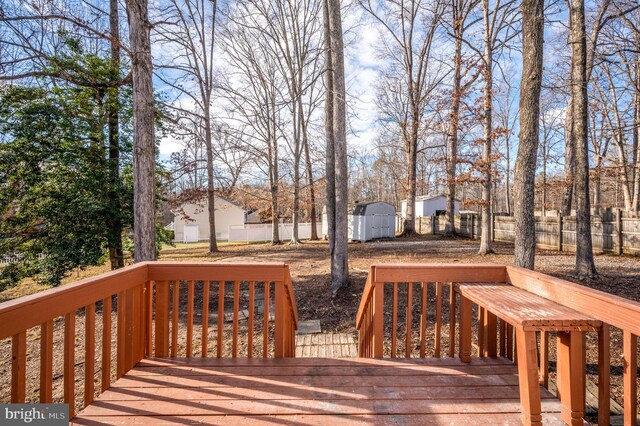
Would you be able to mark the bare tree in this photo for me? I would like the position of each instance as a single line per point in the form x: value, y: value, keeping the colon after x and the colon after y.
x: 144, y: 156
x: 495, y: 20
x: 412, y: 26
x: 530, y: 86
x: 585, y: 265
x: 190, y: 29
x: 460, y: 11
x: 336, y: 134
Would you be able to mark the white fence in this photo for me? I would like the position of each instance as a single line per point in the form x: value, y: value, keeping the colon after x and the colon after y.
x: 248, y: 233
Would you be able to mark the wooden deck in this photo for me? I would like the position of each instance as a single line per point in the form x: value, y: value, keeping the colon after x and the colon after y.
x: 300, y: 391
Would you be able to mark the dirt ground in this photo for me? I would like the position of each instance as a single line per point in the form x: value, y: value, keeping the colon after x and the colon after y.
x: 309, y: 266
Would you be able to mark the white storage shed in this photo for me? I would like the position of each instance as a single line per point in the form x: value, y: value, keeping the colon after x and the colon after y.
x: 429, y: 205
x: 191, y: 221
x: 368, y: 221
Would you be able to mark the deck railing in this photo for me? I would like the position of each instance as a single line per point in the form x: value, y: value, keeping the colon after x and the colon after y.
x: 378, y: 322
x: 148, y: 316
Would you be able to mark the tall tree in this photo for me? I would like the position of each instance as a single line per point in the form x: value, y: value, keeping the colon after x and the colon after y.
x: 336, y: 133
x: 585, y: 266
x: 495, y: 20
x: 530, y: 86
x: 144, y: 158
x: 192, y: 31
x: 412, y: 26
x: 460, y: 10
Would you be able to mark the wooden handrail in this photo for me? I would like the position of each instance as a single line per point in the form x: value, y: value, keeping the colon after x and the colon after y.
x: 133, y: 290
x: 610, y: 309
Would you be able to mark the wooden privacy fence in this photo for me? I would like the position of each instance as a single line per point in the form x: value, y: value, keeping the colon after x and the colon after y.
x: 612, y: 231
x: 400, y: 302
x: 148, y: 305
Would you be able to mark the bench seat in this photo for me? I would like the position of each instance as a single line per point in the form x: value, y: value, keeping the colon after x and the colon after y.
x: 520, y: 308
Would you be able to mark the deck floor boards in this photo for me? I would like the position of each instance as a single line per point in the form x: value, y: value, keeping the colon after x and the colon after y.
x: 336, y: 391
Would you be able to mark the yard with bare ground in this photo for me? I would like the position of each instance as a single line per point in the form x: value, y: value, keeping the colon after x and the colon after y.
x: 309, y: 264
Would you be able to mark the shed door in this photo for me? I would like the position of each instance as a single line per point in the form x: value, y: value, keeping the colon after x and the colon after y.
x: 380, y: 226
x: 191, y: 233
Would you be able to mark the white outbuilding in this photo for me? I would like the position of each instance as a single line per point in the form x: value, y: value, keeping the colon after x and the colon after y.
x: 429, y: 205
x: 368, y: 221
x: 191, y: 221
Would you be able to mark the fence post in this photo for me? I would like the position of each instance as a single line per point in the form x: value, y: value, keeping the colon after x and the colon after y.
x: 619, y: 231
x: 493, y: 226
x: 560, y: 232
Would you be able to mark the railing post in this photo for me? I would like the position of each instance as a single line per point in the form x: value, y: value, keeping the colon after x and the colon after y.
x: 378, y: 319
x: 162, y: 319
x: 279, y: 340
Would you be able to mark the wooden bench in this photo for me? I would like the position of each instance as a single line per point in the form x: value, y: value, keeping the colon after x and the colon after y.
x: 528, y: 314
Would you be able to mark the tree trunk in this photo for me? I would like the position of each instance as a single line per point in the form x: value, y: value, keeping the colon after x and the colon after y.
x: 116, y: 257
x: 524, y: 182
x: 508, y: 176
x: 636, y: 146
x: 274, y: 174
x: 569, y: 157
x: 585, y: 265
x: 450, y: 226
x: 340, y: 267
x: 486, y: 246
x: 144, y: 160
x: 211, y: 205
x: 309, y: 171
x: 330, y: 163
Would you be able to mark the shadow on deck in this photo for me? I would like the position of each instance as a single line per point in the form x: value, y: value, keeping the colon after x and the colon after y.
x: 300, y: 391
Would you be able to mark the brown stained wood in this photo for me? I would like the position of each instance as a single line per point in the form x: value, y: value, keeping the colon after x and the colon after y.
x: 438, y: 336
x: 220, y: 334
x: 531, y: 312
x: 189, y: 271
x: 481, y: 330
x: 452, y: 321
x: 571, y: 379
x: 236, y: 309
x: 190, y: 297
x: 105, y: 381
x: 148, y: 315
x: 604, y: 375
x: 89, y: 352
x: 510, y: 346
x: 378, y: 320
x: 46, y: 362
x: 31, y: 311
x: 18, y: 367
x: 69, y: 361
x: 613, y: 310
x: 205, y: 318
x: 544, y: 359
x: 252, y: 285
x: 528, y: 377
x: 409, y: 309
x: 423, y: 319
x: 394, y: 321
x: 265, y: 320
x: 175, y: 316
x: 490, y: 334
x: 406, y: 272
x: 121, y: 333
x: 162, y: 319
x: 257, y: 392
x: 630, y: 378
x: 466, y: 324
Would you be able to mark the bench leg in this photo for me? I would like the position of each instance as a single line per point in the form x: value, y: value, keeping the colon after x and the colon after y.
x: 571, y: 376
x: 490, y: 334
x: 465, y: 329
x: 528, y: 377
